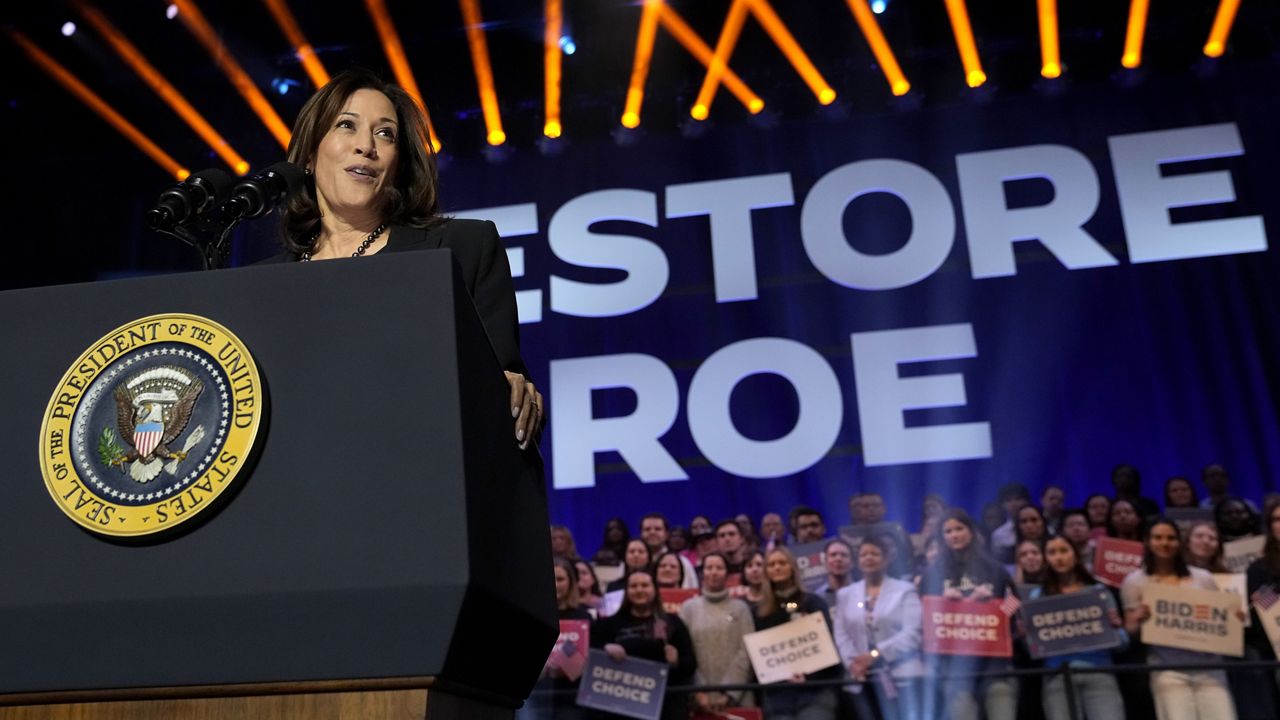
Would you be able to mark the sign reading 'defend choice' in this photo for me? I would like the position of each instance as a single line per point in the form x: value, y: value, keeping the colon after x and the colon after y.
x: 570, y: 651
x: 811, y: 558
x: 965, y: 627
x: 803, y: 646
x: 1237, y: 555
x: 1113, y: 559
x: 1071, y: 623
x: 1193, y: 619
x: 632, y: 687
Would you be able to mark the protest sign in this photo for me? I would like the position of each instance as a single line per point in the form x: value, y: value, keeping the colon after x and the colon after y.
x: 1237, y: 584
x: 803, y: 646
x: 673, y: 598
x: 632, y: 687
x: 1192, y: 619
x: 1237, y: 555
x: 610, y: 602
x: 1113, y: 559
x: 1184, y: 518
x: 1266, y: 602
x: 570, y: 651
x: 811, y: 557
x: 966, y: 627
x: 1071, y: 623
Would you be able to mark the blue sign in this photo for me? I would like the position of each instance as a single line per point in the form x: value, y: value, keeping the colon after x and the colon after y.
x: 632, y: 687
x: 1071, y: 623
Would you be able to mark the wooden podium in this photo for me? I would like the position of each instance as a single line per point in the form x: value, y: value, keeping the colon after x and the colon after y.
x: 387, y: 557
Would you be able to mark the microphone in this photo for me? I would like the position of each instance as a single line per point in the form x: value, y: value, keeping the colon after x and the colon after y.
x: 258, y: 195
x: 181, y: 203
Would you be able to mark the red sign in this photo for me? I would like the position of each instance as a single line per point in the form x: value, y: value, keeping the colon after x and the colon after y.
x: 673, y: 598
x: 733, y: 713
x: 966, y: 627
x: 570, y: 651
x: 1113, y: 559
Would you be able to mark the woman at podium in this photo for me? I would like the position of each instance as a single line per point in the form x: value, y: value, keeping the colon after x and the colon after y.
x: 371, y: 188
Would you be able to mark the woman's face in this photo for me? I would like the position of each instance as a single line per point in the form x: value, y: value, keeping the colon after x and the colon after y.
x: 677, y: 541
x: 1180, y: 493
x: 585, y: 578
x: 1098, y: 508
x: 613, y: 532
x: 559, y: 542
x: 637, y: 554
x: 956, y: 535
x: 778, y: 568
x: 640, y: 590
x: 1061, y: 555
x: 1275, y: 522
x: 1235, y: 515
x: 699, y: 526
x: 1123, y: 517
x: 668, y: 571
x: 930, y: 551
x: 934, y: 508
x: 1163, y: 541
x: 356, y: 160
x: 1076, y: 528
x: 1030, y: 559
x: 714, y: 573
x: 1030, y: 524
x: 753, y: 571
x: 870, y: 559
x: 1203, y: 542
x: 562, y: 584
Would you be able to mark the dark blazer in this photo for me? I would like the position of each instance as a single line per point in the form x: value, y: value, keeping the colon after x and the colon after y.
x: 485, y: 271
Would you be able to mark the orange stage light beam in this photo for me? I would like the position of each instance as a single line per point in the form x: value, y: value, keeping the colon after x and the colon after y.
x: 399, y: 61
x: 195, y: 22
x: 484, y: 71
x: 302, y: 49
x: 98, y: 105
x: 1133, y: 35
x: 640, y: 66
x: 1050, y: 60
x: 729, y: 34
x: 1222, y: 22
x: 898, y: 84
x: 685, y: 35
x: 791, y: 49
x: 553, y: 15
x: 959, y: 14
x: 167, y: 92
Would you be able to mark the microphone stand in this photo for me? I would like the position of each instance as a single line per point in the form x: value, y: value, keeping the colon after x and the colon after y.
x: 208, y: 238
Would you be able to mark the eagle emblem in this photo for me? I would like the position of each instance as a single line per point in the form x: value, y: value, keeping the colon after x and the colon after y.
x: 153, y: 409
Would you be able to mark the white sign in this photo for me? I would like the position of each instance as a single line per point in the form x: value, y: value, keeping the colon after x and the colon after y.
x: 1237, y: 584
x: 1193, y: 619
x: 1238, y: 554
x: 801, y: 646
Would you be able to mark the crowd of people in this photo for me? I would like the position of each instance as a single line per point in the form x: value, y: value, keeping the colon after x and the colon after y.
x: 749, y: 580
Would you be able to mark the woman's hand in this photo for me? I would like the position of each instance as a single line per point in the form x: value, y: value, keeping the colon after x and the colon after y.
x: 1241, y: 614
x: 1114, y: 616
x: 1134, y: 617
x: 953, y: 594
x: 673, y: 655
x: 860, y: 665
x: 616, y: 651
x: 526, y: 408
x: 982, y: 592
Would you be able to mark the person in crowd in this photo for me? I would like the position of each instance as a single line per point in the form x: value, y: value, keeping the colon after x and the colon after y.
x: 1204, y: 550
x: 562, y: 542
x: 1097, y: 695
x: 1235, y: 520
x: 1263, y: 578
x: 964, y: 570
x: 870, y: 508
x: 992, y: 518
x: 699, y: 524
x: 1195, y: 694
x: 807, y: 525
x: 668, y: 571
x: 1098, y: 508
x: 1128, y: 486
x: 1032, y: 525
x: 877, y: 627
x: 678, y: 540
x: 614, y: 544
x: 641, y: 629
x: 1179, y: 493
x: 588, y: 584
x: 558, y: 701
x: 838, y: 557
x: 371, y: 187
x: 784, y: 600
x: 703, y: 543
x: 773, y: 532
x: 635, y: 557
x: 1217, y: 487
x: 1075, y: 527
x: 753, y: 580
x: 717, y: 623
x: 1013, y: 497
x: 1030, y: 567
x: 931, y: 511
x: 655, y: 533
x: 748, y: 528
x: 928, y: 557
x: 1053, y: 501
x: 897, y: 550
x: 857, y: 509
x: 730, y: 542
x: 1124, y: 522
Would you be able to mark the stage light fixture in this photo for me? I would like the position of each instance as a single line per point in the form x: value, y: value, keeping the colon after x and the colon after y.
x: 960, y: 27
x: 864, y: 14
x: 568, y: 45
x: 165, y: 90
x: 399, y: 61
x: 640, y: 65
x: 1134, y: 33
x: 878, y: 6
x: 64, y: 78
x: 1222, y: 22
x: 68, y: 29
x: 171, y: 12
x: 1050, y: 60
x: 474, y: 22
x: 689, y: 39
x: 553, y: 42
x: 301, y: 48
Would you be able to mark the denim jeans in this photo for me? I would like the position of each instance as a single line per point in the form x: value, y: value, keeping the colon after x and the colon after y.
x: 1097, y: 697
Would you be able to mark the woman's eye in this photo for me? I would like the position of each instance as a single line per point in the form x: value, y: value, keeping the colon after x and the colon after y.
x: 388, y: 134
x: 346, y: 124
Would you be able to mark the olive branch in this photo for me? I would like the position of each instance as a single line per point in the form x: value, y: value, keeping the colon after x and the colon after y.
x: 110, y: 451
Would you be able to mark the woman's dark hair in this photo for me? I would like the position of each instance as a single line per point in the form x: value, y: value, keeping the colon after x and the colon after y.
x: 1017, y: 524
x: 1050, y: 584
x: 1271, y: 548
x: 1195, y: 497
x: 680, y: 582
x: 625, y: 608
x: 410, y: 200
x: 1088, y: 501
x: 715, y: 554
x: 1215, y: 564
x: 647, y: 552
x: 574, y: 599
x: 1219, y: 518
x: 1180, y: 567
x: 618, y: 549
x: 595, y: 581
x: 951, y: 563
x: 1111, y: 528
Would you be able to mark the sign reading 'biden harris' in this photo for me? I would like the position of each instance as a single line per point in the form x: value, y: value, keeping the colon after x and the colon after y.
x: 151, y: 425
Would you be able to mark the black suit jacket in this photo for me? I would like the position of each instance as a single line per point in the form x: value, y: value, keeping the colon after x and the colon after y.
x: 485, y: 271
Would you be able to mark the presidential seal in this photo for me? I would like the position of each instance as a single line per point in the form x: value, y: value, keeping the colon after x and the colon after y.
x: 151, y: 425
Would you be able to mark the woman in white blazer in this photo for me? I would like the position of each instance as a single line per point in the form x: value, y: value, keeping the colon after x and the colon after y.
x: 877, y: 631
